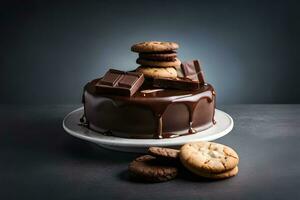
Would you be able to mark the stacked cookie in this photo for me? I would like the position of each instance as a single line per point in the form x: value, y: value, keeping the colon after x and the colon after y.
x: 205, y: 159
x: 157, y: 59
x: 161, y: 165
x: 209, y: 159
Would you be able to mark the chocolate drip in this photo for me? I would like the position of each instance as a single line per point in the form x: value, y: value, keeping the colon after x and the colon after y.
x: 159, y: 109
x: 82, y: 96
x: 191, y: 106
x: 159, y: 128
x: 191, y: 129
x: 214, y: 96
x: 83, y: 121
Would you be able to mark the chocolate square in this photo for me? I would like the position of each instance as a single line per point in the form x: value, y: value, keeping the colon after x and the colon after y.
x: 120, y: 82
x: 192, y: 70
x: 192, y: 78
x: 128, y: 80
x: 111, y: 77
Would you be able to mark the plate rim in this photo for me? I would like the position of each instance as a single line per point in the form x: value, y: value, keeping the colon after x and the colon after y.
x: 131, y: 142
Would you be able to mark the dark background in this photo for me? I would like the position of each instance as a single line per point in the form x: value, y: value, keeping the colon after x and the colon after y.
x: 49, y: 50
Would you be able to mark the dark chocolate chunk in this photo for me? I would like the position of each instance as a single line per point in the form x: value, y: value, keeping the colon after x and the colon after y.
x: 192, y: 78
x: 178, y: 83
x: 192, y: 70
x: 120, y: 82
x: 111, y: 77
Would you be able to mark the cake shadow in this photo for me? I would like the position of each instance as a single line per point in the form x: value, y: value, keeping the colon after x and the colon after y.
x: 124, y: 176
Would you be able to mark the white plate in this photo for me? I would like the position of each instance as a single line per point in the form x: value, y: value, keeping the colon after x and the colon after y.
x: 70, y: 123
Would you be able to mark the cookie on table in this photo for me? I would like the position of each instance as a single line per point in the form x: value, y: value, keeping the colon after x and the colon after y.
x: 154, y: 46
x: 176, y: 63
x: 158, y: 72
x: 164, y: 153
x: 208, y: 157
x: 222, y: 175
x: 148, y: 168
x: 166, y: 56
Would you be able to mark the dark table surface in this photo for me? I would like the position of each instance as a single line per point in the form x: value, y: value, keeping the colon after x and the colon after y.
x: 38, y: 160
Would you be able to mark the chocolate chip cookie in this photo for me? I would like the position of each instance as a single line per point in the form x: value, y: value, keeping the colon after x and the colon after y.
x: 148, y: 168
x: 153, y: 63
x: 154, y: 46
x: 222, y: 175
x: 165, y: 153
x: 208, y: 157
x: 163, y: 56
x: 158, y: 72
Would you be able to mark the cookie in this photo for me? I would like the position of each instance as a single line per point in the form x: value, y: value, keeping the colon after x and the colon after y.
x: 148, y: 168
x: 151, y: 63
x: 222, y: 175
x: 208, y: 157
x: 154, y: 46
x: 165, y: 153
x: 158, y: 72
x: 158, y: 56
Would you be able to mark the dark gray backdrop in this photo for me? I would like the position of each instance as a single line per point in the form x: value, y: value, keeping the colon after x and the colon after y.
x: 49, y: 50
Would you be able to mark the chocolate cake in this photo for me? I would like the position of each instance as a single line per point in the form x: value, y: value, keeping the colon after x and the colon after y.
x: 127, y: 104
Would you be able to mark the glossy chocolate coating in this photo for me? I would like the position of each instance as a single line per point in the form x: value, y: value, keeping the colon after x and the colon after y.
x: 150, y: 112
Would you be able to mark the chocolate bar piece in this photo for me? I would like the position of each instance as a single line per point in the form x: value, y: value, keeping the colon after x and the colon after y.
x: 120, y: 82
x: 192, y: 70
x: 192, y: 78
x: 178, y: 83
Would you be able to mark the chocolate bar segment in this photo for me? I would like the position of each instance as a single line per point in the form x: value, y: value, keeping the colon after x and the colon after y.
x: 128, y: 80
x: 192, y: 70
x: 192, y: 78
x: 119, y: 82
x: 111, y: 77
x: 178, y: 83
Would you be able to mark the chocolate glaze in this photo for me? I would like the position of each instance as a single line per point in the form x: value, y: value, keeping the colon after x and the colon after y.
x: 159, y: 100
